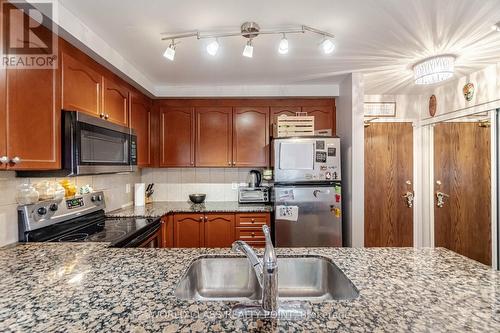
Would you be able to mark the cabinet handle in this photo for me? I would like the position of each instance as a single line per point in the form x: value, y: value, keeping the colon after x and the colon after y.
x: 16, y: 160
x: 253, y: 220
x: 229, y: 163
x: 4, y: 159
x: 201, y: 219
x: 253, y: 234
x: 106, y: 116
x: 101, y: 115
x: 206, y: 219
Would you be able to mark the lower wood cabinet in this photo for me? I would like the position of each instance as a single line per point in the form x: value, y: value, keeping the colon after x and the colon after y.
x: 213, y: 230
x: 154, y: 241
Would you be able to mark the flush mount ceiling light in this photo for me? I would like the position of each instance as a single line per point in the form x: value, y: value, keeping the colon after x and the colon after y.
x: 249, y: 30
x: 435, y: 69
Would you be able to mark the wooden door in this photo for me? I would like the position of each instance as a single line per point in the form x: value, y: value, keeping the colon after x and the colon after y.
x: 115, y: 104
x: 323, y: 117
x: 219, y: 230
x: 388, y: 168
x: 251, y: 137
x: 214, y: 137
x: 33, y: 117
x: 188, y: 230
x: 81, y: 86
x: 462, y: 164
x: 3, y: 118
x: 177, y: 137
x: 140, y: 121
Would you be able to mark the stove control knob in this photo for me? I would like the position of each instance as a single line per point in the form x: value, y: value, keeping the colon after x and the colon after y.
x: 54, y: 207
x: 42, y: 211
x: 93, y: 198
x: 99, y: 197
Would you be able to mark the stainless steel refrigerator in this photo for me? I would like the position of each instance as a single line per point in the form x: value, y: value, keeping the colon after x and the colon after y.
x: 307, y: 192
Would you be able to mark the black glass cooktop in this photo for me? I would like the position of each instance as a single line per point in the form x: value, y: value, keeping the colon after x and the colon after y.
x: 96, y: 227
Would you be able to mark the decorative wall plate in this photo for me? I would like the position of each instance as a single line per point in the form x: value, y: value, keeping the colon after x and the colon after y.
x: 469, y: 90
x: 432, y: 105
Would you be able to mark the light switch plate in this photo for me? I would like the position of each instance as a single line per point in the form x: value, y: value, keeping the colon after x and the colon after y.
x: 127, y: 188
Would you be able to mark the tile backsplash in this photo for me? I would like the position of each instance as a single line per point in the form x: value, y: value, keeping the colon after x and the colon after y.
x: 220, y: 184
x: 114, y: 187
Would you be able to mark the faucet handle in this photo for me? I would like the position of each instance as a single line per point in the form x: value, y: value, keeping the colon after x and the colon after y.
x: 270, y: 260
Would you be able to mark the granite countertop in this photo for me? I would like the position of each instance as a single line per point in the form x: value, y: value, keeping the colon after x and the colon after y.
x: 160, y: 208
x: 89, y: 287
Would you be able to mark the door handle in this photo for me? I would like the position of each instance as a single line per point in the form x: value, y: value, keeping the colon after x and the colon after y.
x: 410, y: 197
x: 440, y: 198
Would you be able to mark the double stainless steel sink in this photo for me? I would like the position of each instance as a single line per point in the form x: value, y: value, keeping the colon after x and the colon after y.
x: 300, y: 278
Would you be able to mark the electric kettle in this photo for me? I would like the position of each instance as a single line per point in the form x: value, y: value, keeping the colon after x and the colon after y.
x: 254, y: 178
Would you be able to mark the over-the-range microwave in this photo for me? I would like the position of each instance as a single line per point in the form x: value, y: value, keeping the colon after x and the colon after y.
x: 93, y: 146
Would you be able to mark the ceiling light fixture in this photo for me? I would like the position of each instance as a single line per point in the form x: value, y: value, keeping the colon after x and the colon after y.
x: 213, y: 47
x: 435, y: 69
x: 250, y: 30
x: 248, y: 50
x: 327, y: 46
x: 283, y: 47
x: 170, y: 51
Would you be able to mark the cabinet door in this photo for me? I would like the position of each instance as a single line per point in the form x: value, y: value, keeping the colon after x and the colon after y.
x: 214, y: 137
x: 188, y: 230
x: 177, y: 137
x: 323, y: 117
x: 3, y: 123
x: 251, y: 137
x: 140, y: 121
x: 219, y: 230
x: 81, y: 86
x: 115, y: 106
x: 167, y: 231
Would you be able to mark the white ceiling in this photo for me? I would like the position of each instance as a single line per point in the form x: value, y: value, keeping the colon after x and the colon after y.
x: 381, y: 38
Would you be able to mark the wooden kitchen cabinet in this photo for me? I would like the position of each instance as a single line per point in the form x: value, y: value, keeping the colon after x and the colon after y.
x: 323, y: 117
x: 177, y: 136
x: 167, y: 231
x: 153, y: 242
x: 219, y: 230
x: 249, y: 228
x: 115, y: 101
x: 251, y: 137
x: 188, y: 230
x: 81, y: 85
x: 140, y: 121
x: 30, y: 117
x: 203, y: 230
x: 214, y: 137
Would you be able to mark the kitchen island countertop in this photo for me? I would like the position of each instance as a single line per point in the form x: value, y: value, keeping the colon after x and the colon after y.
x: 89, y: 287
x: 160, y: 208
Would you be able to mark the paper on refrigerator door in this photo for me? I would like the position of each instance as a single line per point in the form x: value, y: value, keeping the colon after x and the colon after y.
x: 289, y: 213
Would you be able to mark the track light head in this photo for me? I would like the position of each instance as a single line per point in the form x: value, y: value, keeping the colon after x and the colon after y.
x: 283, y: 47
x: 213, y: 47
x: 170, y: 52
x: 328, y: 46
x: 248, y: 50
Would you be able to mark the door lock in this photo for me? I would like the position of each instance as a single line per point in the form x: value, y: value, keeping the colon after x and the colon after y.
x: 410, y: 197
x: 440, y: 198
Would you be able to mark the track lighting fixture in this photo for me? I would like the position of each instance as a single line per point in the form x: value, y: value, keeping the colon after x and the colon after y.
x: 250, y: 30
x: 248, y: 50
x: 170, y: 52
x: 283, y: 47
x: 327, y: 46
x: 213, y: 47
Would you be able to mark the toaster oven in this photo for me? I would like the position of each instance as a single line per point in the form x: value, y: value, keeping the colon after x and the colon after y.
x: 253, y: 194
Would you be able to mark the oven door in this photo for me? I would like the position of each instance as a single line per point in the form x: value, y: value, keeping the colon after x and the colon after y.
x: 101, y: 147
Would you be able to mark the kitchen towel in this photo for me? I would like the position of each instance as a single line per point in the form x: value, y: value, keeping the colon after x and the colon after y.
x: 140, y: 194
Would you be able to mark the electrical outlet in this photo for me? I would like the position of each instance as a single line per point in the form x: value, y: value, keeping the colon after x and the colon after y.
x: 234, y: 186
x: 127, y: 188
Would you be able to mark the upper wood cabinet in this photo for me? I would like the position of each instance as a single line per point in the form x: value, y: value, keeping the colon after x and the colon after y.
x: 115, y: 102
x: 140, y: 121
x: 214, y: 137
x: 177, y: 136
x: 323, y: 117
x: 188, y: 230
x: 251, y: 137
x: 81, y: 86
x: 30, y: 117
x: 219, y: 230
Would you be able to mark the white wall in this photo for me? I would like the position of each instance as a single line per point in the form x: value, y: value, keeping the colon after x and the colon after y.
x: 114, y: 187
x: 350, y: 129
x: 407, y: 106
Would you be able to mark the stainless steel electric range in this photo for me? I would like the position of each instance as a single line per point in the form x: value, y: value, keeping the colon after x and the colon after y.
x: 81, y: 219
